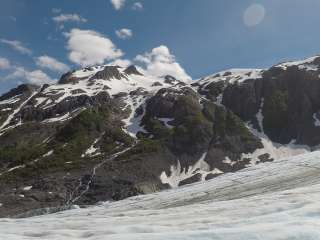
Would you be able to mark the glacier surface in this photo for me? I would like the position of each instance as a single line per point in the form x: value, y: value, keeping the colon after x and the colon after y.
x: 278, y: 200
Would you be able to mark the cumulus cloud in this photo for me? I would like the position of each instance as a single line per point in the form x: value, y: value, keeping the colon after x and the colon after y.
x: 121, y: 62
x: 4, y: 63
x: 88, y: 47
x: 36, y: 77
x: 16, y: 45
x: 137, y: 6
x: 124, y: 33
x: 51, y: 63
x: 118, y: 4
x: 160, y: 62
x: 64, y: 18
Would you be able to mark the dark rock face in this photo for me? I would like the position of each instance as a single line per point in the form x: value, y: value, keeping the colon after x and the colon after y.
x: 108, y: 73
x: 244, y: 100
x: 289, y: 97
x: 24, y: 89
x: 132, y: 70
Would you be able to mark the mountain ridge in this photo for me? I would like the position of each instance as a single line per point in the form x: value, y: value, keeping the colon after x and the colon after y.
x: 108, y: 133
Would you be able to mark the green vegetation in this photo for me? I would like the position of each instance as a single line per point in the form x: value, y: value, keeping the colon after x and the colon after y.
x: 114, y: 137
x: 143, y: 147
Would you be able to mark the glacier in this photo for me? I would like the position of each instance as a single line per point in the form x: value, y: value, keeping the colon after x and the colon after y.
x: 277, y: 200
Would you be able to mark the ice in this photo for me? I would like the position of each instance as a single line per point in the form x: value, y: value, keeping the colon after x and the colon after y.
x: 278, y: 200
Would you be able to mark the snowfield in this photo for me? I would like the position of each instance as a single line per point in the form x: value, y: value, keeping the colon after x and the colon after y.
x: 278, y: 200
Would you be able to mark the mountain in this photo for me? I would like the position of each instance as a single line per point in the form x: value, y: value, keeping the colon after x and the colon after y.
x: 281, y: 204
x: 107, y: 133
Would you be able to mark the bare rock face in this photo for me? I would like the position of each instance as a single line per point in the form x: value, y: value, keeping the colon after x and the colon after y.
x: 108, y: 73
x: 132, y: 70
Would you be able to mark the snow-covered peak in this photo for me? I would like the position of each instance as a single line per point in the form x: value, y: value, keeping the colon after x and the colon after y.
x: 233, y: 75
x: 91, y: 81
x: 308, y: 64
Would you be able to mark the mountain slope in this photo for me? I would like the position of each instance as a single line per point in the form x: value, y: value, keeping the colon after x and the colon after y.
x: 108, y: 133
x: 281, y: 205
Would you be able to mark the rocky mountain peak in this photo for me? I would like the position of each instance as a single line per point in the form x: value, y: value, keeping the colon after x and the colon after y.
x: 132, y: 70
x: 109, y: 72
x: 20, y: 90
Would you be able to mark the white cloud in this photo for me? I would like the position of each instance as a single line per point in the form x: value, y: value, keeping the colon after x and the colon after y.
x: 16, y: 45
x: 63, y: 18
x: 4, y: 63
x: 124, y: 33
x: 160, y: 62
x: 118, y: 4
x: 137, y: 6
x: 36, y: 77
x: 254, y: 15
x: 51, y: 63
x: 88, y: 47
x: 121, y: 62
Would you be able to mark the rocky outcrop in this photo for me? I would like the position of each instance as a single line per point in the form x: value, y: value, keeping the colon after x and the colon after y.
x: 132, y: 70
x: 108, y: 73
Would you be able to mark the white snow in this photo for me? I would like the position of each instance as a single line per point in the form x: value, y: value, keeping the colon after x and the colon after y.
x: 316, y: 120
x: 178, y: 174
x: 277, y: 200
x: 232, y: 76
x: 166, y: 122
x: 10, y: 100
x: 92, y: 151
x: 11, y: 116
x: 132, y: 123
x: 13, y: 169
x: 260, y: 117
x: 48, y: 153
x: 62, y: 118
x: 92, y: 88
x: 306, y: 64
x: 28, y: 188
x: 276, y: 150
x: 6, y: 109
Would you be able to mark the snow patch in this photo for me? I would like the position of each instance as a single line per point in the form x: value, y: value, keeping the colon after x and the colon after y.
x: 306, y: 64
x: 92, y: 151
x: 275, y: 150
x: 48, y: 153
x: 316, y: 120
x: 166, y: 122
x: 28, y: 188
x: 232, y: 76
x: 178, y: 174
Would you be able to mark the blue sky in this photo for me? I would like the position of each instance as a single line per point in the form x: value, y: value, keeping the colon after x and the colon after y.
x: 39, y: 39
